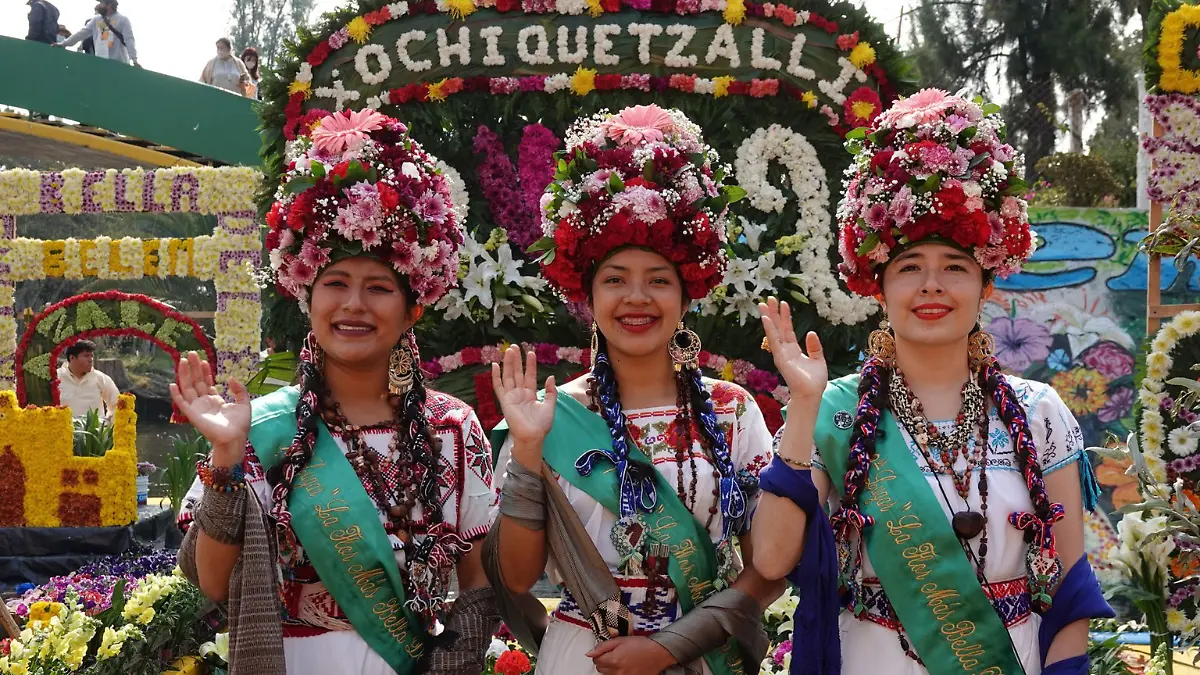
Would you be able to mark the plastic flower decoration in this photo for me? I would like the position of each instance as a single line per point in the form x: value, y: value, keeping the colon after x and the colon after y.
x: 359, y: 185
x: 932, y: 167
x: 642, y: 178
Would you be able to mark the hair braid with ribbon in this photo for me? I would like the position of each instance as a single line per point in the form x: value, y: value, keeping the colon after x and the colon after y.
x: 733, y: 498
x: 872, y: 399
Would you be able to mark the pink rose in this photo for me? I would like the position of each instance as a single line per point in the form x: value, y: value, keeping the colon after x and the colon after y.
x: 1109, y: 359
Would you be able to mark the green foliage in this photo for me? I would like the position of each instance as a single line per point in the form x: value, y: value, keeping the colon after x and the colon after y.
x: 277, y: 370
x: 1073, y: 179
x: 93, y: 436
x: 186, y: 450
x: 1106, y: 658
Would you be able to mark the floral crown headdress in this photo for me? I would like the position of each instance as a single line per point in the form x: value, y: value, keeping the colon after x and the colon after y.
x: 644, y: 178
x: 357, y: 184
x: 932, y: 167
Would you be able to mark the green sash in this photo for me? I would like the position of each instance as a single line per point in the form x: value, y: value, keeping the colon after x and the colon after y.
x: 915, y: 553
x: 340, y: 530
x: 693, y: 562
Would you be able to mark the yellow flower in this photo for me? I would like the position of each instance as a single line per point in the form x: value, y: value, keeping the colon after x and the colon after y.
x: 42, y: 612
x: 862, y: 55
x: 298, y: 87
x: 735, y: 11
x: 583, y: 82
x: 1158, y: 360
x: 1170, y: 51
x: 359, y: 30
x: 460, y: 8
x: 1083, y: 390
x: 594, y: 8
x: 1187, y: 323
x: 727, y: 372
x: 863, y: 109
x: 435, y: 90
x: 721, y: 85
x: 810, y: 98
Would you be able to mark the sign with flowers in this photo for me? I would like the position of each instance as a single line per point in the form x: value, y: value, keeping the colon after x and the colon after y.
x: 490, y: 87
x: 228, y: 257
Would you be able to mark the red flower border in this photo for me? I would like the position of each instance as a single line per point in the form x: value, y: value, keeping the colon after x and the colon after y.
x: 106, y: 296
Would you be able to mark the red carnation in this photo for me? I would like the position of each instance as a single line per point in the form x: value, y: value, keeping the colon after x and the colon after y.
x: 507, y: 5
x: 341, y: 169
x: 609, y: 81
x: 862, y: 107
x: 772, y: 411
x: 739, y: 88
x: 273, y: 238
x: 300, y: 215
x: 317, y: 56
x: 847, y: 42
x: 512, y: 662
x: 638, y: 181
x: 881, y: 160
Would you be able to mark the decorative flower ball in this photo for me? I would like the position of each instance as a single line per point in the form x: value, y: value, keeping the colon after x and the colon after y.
x: 933, y: 166
x: 358, y: 184
x: 645, y: 178
x: 512, y: 662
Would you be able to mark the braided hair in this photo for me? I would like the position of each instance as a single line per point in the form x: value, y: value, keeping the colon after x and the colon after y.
x: 873, y: 392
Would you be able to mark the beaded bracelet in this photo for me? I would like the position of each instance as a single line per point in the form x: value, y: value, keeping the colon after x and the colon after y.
x: 220, y: 478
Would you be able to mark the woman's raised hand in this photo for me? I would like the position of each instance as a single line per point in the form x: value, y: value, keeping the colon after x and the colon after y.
x: 805, y: 374
x: 529, y: 420
x: 225, y: 425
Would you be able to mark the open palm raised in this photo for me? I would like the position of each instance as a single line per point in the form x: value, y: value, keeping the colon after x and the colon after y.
x: 529, y: 420
x: 225, y: 425
x: 805, y: 374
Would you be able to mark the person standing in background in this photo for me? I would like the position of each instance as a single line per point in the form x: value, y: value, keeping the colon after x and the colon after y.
x: 250, y: 59
x: 43, y: 22
x: 226, y: 70
x: 81, y: 387
x: 111, y: 34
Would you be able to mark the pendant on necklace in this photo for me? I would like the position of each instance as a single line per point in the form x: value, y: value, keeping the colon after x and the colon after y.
x: 967, y: 524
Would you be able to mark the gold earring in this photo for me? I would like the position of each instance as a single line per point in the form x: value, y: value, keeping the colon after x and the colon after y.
x: 981, y: 348
x: 684, y: 348
x: 595, y: 344
x: 401, y: 368
x: 881, y: 344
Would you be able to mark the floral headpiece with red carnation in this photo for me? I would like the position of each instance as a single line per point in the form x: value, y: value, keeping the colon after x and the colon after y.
x: 932, y: 167
x: 357, y: 184
x: 644, y: 178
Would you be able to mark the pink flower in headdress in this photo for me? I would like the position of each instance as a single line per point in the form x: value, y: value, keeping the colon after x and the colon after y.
x: 923, y: 107
x: 369, y: 238
x: 639, y: 124
x: 877, y: 216
x: 991, y: 257
x: 347, y: 131
x: 314, y: 256
x: 301, y: 273
x: 432, y: 208
x: 404, y: 256
x: 902, y: 206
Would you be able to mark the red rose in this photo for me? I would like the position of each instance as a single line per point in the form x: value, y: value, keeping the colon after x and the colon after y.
x: 388, y: 197
x: 317, y: 56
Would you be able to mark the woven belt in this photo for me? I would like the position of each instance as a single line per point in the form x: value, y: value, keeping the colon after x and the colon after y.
x: 1010, y: 598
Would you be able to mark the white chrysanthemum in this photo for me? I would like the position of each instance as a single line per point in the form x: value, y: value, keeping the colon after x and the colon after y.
x: 1182, y: 442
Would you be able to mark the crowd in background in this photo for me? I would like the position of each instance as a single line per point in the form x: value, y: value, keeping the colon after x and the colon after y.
x: 109, y: 35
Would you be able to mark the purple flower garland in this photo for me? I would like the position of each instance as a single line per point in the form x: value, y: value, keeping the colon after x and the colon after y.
x: 513, y: 196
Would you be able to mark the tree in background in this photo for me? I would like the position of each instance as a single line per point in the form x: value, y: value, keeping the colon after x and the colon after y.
x: 265, y: 24
x: 1115, y: 140
x: 1034, y: 49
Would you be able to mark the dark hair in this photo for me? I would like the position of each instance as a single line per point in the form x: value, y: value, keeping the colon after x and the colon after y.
x: 81, y: 347
x: 225, y: 41
x: 248, y: 52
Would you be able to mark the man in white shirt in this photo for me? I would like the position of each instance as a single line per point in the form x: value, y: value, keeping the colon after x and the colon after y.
x: 81, y: 387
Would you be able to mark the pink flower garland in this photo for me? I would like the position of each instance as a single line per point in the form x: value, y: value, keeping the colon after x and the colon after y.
x: 535, y: 159
x: 513, y: 202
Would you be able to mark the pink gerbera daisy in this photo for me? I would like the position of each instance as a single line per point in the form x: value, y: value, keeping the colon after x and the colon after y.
x: 338, y: 134
x: 639, y: 124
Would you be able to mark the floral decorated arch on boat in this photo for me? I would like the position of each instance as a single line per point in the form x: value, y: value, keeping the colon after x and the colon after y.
x: 490, y: 88
x: 91, y: 315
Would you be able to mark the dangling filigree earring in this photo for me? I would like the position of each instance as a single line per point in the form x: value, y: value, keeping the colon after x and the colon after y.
x: 684, y: 348
x: 401, y: 368
x: 980, y: 347
x: 881, y: 344
x: 595, y: 344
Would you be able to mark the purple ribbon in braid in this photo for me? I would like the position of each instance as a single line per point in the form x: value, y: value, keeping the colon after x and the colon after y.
x: 850, y: 517
x: 301, y: 449
x: 636, y: 479
x: 733, y: 499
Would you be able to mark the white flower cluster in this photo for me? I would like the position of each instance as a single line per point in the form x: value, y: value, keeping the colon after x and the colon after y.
x: 493, y: 280
x: 363, y: 67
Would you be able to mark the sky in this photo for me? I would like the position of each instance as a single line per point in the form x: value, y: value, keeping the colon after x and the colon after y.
x: 177, y: 38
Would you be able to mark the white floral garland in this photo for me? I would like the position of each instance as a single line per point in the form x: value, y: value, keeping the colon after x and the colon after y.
x: 1158, y: 367
x: 813, y: 236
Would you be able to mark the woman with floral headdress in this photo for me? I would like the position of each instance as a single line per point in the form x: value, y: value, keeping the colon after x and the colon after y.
x: 957, y: 492
x: 333, y: 513
x: 656, y: 462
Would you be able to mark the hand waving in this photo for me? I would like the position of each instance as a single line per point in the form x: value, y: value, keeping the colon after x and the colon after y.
x: 225, y: 425
x: 529, y: 420
x: 805, y: 374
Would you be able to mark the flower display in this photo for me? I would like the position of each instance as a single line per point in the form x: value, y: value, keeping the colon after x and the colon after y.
x: 1161, y: 416
x: 1175, y: 174
x: 361, y: 185
x: 38, y: 446
x: 615, y: 187
x: 1175, y: 77
x: 1082, y: 389
x: 932, y: 166
x: 202, y: 190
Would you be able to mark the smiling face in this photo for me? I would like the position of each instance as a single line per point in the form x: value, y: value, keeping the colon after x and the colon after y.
x: 637, y: 300
x: 359, y: 311
x: 933, y: 294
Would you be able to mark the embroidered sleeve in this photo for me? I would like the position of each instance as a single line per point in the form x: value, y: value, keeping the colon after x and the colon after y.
x: 752, y: 446
x: 475, y: 498
x: 1057, y: 433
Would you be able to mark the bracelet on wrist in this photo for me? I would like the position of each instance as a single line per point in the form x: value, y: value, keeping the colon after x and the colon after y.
x: 219, y: 478
x: 796, y: 464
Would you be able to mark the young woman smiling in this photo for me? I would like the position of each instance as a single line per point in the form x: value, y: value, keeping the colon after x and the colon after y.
x: 331, y: 515
x: 957, y: 492
x: 656, y: 462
